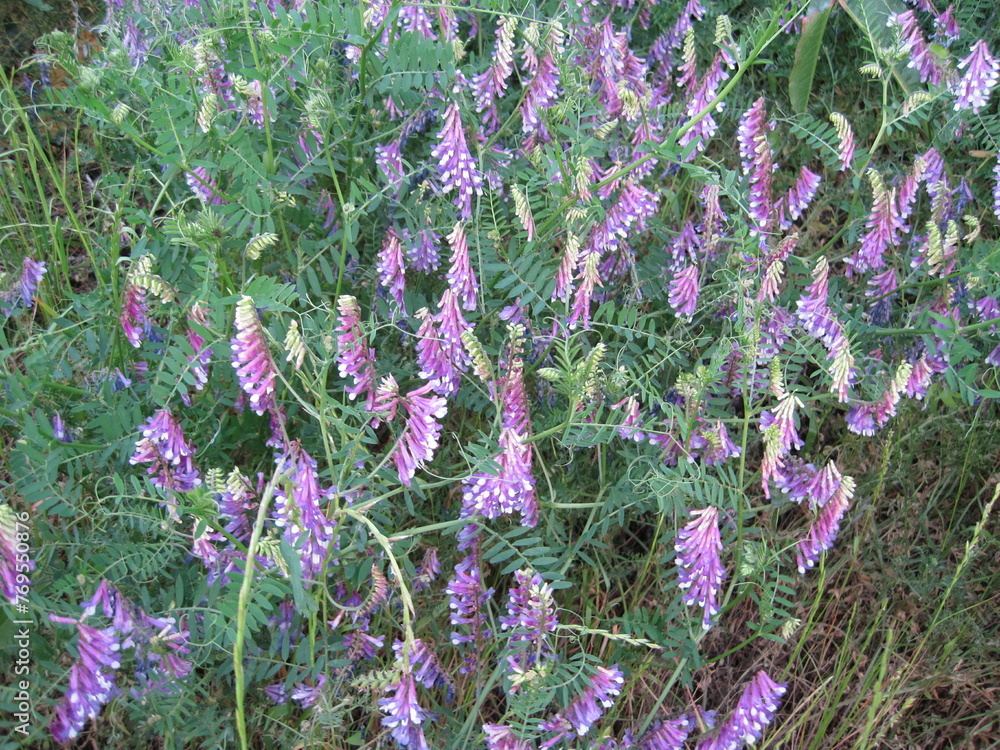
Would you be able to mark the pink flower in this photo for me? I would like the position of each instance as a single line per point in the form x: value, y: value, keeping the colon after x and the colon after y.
x: 823, y: 533
x: 354, y: 357
x: 391, y: 268
x: 419, y: 441
x: 758, y: 164
x: 973, y: 91
x: 699, y: 568
x: 684, y: 291
x: 404, y: 716
x: 171, y: 457
x: 252, y: 358
x: 458, y: 169
x: 580, y: 715
x: 461, y: 277
x: 91, y: 678
x: 133, y: 315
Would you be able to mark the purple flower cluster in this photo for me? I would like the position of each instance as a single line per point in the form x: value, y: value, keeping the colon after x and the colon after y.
x: 159, y: 651
x: 202, y: 354
x: 171, y: 458
x: 838, y: 491
x: 354, y: 357
x: 758, y: 164
x: 758, y: 704
x: 580, y: 715
x: 461, y: 277
x: 492, y: 83
x: 23, y: 293
x: 391, y: 268
x: 419, y: 441
x: 91, y: 679
x: 252, y: 357
x: 512, y: 488
x: 403, y: 715
x: 982, y: 71
x: 466, y: 599
x: 12, y: 563
x: 700, y: 570
x: 300, y: 511
x: 531, y: 615
x: 458, y: 170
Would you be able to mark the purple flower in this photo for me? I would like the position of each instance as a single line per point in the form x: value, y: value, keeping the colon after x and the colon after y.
x: 632, y: 422
x: 814, y: 315
x: 922, y: 58
x: 59, y: 430
x: 423, y: 664
x: 846, y: 136
x: 354, y: 357
x: 541, y: 93
x: 91, y: 679
x: 203, y: 186
x: 252, y: 357
x: 10, y: 577
x: 758, y: 164
x: 920, y: 378
x: 775, y: 264
x: 799, y: 197
x: 429, y: 570
x: 135, y: 42
x: 390, y: 164
x: 202, y: 354
x: 502, y: 737
x: 160, y: 648
x: 758, y: 704
x: 996, y: 188
x: 171, y: 457
x: 307, y: 695
x: 589, y: 277
x: 419, y: 441
x: 860, y: 419
x: 510, y: 489
x: 700, y: 570
x: 704, y: 92
x: 466, y: 599
x: 133, y: 316
x: 391, y: 268
x: 684, y: 291
x: 531, y: 614
x: 451, y: 324
x: 580, y: 715
x: 32, y: 272
x: 823, y: 532
x: 666, y: 735
x: 434, y: 361
x: 884, y: 226
x: 458, y: 169
x: 301, y: 514
x: 973, y: 91
x: 461, y: 277
x: 946, y: 26
x: 404, y: 716
x: 424, y: 254
x: 278, y: 693
x: 719, y: 447
x: 713, y: 221
x: 491, y: 84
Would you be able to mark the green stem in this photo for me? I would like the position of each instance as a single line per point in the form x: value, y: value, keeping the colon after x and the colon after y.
x: 241, y: 611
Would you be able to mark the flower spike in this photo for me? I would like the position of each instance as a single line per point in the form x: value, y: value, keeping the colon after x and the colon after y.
x: 252, y: 357
x: 699, y: 567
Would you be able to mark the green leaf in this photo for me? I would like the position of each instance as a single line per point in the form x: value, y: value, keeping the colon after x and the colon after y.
x: 800, y: 80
